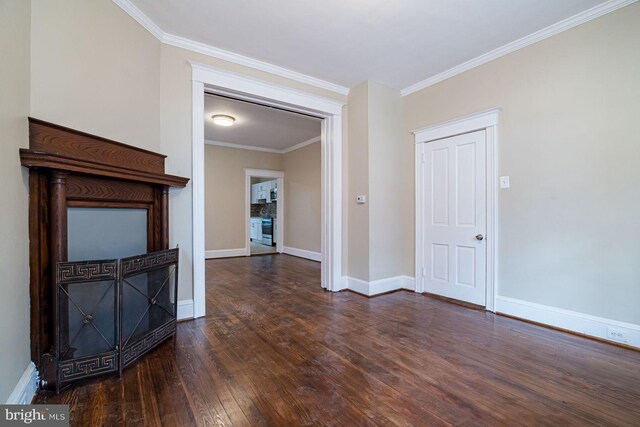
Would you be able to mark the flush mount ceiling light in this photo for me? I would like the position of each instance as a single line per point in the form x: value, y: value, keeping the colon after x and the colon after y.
x: 223, y: 119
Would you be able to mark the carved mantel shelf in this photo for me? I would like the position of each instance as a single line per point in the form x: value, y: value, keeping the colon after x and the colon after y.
x: 70, y: 169
x: 56, y: 147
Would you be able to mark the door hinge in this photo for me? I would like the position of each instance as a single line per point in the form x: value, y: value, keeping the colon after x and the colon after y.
x: 422, y: 157
x: 424, y: 272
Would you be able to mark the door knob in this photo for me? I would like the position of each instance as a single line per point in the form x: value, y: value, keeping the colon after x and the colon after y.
x: 479, y: 237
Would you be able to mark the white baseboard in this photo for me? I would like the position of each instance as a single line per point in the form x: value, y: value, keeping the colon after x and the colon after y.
x: 408, y: 283
x: 314, y: 256
x: 225, y: 253
x: 381, y: 286
x: 599, y: 327
x: 185, y: 309
x: 26, y: 388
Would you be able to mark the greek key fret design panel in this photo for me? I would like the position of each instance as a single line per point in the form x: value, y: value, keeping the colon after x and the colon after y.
x: 138, y: 348
x: 123, y: 291
x: 88, y: 366
x: 147, y: 262
x: 87, y: 270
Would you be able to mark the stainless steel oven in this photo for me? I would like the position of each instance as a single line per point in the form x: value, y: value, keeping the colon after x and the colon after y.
x: 267, y: 231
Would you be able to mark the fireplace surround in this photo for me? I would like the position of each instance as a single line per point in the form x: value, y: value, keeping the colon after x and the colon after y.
x: 95, y: 316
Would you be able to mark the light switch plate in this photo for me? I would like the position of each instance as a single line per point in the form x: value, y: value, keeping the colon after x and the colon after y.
x: 504, y: 182
x: 361, y: 200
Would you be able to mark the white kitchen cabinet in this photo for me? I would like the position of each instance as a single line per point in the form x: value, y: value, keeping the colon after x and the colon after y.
x: 254, y: 193
x: 270, y: 186
x: 256, y: 229
x: 262, y: 191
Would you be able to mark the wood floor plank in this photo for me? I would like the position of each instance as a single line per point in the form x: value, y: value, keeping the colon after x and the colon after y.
x: 276, y: 350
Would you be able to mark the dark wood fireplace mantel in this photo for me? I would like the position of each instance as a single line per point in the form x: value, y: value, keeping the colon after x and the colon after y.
x: 69, y: 168
x: 56, y: 147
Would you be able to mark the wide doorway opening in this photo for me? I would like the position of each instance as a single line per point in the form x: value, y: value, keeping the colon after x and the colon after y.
x: 327, y: 113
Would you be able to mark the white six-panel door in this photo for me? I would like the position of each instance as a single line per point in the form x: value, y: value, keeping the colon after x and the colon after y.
x: 454, y: 195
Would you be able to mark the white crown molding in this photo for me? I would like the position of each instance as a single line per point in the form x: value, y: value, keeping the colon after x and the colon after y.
x: 225, y: 55
x: 237, y: 85
x: 205, y: 49
x: 142, y: 19
x: 552, y: 30
x: 300, y: 145
x: 263, y: 149
x: 242, y: 146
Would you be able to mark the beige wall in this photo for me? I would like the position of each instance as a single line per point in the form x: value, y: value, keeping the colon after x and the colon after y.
x: 379, y: 239
x: 346, y: 195
x: 95, y: 69
x: 358, y: 182
x: 14, y: 271
x: 387, y: 173
x: 303, y: 198
x: 569, y: 140
x: 225, y: 192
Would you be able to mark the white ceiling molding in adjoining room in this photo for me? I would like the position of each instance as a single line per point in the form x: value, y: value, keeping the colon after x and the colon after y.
x: 263, y: 149
x: 258, y: 127
x: 302, y: 144
x: 242, y: 146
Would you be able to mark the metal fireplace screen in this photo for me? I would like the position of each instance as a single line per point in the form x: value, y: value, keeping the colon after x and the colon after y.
x: 111, y: 312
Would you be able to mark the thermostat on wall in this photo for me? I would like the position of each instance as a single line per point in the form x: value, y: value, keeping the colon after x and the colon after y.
x: 361, y: 200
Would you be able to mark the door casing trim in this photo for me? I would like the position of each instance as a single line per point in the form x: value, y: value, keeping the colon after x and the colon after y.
x: 484, y: 120
x: 224, y: 82
x: 263, y: 173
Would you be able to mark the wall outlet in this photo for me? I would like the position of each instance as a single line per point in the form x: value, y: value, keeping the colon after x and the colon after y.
x: 616, y: 335
x: 504, y: 182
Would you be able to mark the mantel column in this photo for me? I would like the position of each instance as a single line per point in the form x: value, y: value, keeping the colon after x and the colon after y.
x: 164, y: 233
x: 58, y: 203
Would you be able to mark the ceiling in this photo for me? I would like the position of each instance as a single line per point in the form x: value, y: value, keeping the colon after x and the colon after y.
x: 395, y: 42
x: 258, y: 126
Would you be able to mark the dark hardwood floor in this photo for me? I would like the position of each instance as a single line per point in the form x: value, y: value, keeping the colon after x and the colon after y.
x: 276, y: 350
